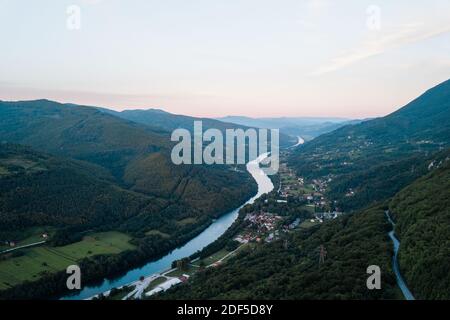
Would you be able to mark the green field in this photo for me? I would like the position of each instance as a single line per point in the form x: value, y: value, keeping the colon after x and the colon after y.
x: 178, y: 272
x: 157, y: 233
x: 120, y: 294
x: 215, y: 257
x: 39, y: 260
x: 155, y: 283
x: 186, y: 221
x: 3, y: 171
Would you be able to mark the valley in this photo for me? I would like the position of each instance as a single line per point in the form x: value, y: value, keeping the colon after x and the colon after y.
x: 97, y: 188
x: 76, y: 172
x: 352, y: 182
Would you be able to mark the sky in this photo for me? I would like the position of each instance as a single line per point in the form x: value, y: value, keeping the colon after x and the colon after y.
x: 212, y: 58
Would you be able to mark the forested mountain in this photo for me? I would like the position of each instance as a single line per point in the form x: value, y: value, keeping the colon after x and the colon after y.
x: 40, y: 189
x: 376, y: 158
x: 289, y: 268
x: 166, y: 121
x: 422, y: 215
x: 79, y: 170
x: 136, y: 155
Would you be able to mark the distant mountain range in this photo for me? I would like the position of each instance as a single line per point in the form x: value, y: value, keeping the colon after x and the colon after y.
x: 166, y: 121
x: 306, y: 127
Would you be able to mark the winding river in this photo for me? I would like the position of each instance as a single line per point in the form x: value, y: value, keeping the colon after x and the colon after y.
x: 208, y: 236
x: 400, y: 282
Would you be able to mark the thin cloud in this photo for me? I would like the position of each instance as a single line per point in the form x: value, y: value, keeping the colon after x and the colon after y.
x: 407, y: 34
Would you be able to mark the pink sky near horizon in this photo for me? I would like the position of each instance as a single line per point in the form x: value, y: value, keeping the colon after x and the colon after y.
x: 212, y: 107
x: 257, y: 58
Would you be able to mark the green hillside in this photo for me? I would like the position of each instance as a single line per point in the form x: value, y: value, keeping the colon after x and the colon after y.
x: 422, y: 215
x: 376, y: 158
x: 168, y: 122
x: 39, y: 189
x: 78, y: 170
x: 136, y: 155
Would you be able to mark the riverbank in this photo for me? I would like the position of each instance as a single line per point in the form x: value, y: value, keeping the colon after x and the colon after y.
x: 208, y: 236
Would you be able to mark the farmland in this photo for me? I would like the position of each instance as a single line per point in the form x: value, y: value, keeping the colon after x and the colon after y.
x: 32, y: 263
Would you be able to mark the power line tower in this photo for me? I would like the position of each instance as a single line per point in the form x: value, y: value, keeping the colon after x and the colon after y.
x: 322, y: 255
x: 286, y: 244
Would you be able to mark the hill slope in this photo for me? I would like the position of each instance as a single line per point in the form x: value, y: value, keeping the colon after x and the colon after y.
x: 38, y: 189
x: 377, y: 158
x: 168, y: 122
x: 138, y: 156
x: 422, y: 215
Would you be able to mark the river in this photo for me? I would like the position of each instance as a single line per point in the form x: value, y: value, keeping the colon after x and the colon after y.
x: 300, y: 141
x: 208, y: 236
x: 400, y: 282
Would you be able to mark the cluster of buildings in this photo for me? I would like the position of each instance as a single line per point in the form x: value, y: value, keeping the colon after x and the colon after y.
x: 261, y: 223
x: 265, y: 227
x: 10, y: 243
x: 321, y: 216
x: 320, y: 185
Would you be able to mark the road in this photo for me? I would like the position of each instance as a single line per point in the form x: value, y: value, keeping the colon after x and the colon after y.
x: 401, y: 283
x: 24, y: 246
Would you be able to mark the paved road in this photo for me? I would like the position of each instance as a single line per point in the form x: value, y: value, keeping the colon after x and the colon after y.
x: 401, y: 283
x: 24, y: 246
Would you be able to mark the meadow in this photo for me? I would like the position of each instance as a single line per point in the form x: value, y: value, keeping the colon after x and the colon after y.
x: 31, y: 263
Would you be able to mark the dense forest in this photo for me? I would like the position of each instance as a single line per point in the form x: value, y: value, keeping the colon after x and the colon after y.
x: 422, y: 215
x: 289, y: 268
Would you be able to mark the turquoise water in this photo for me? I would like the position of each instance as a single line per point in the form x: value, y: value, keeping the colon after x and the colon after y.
x: 208, y: 236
